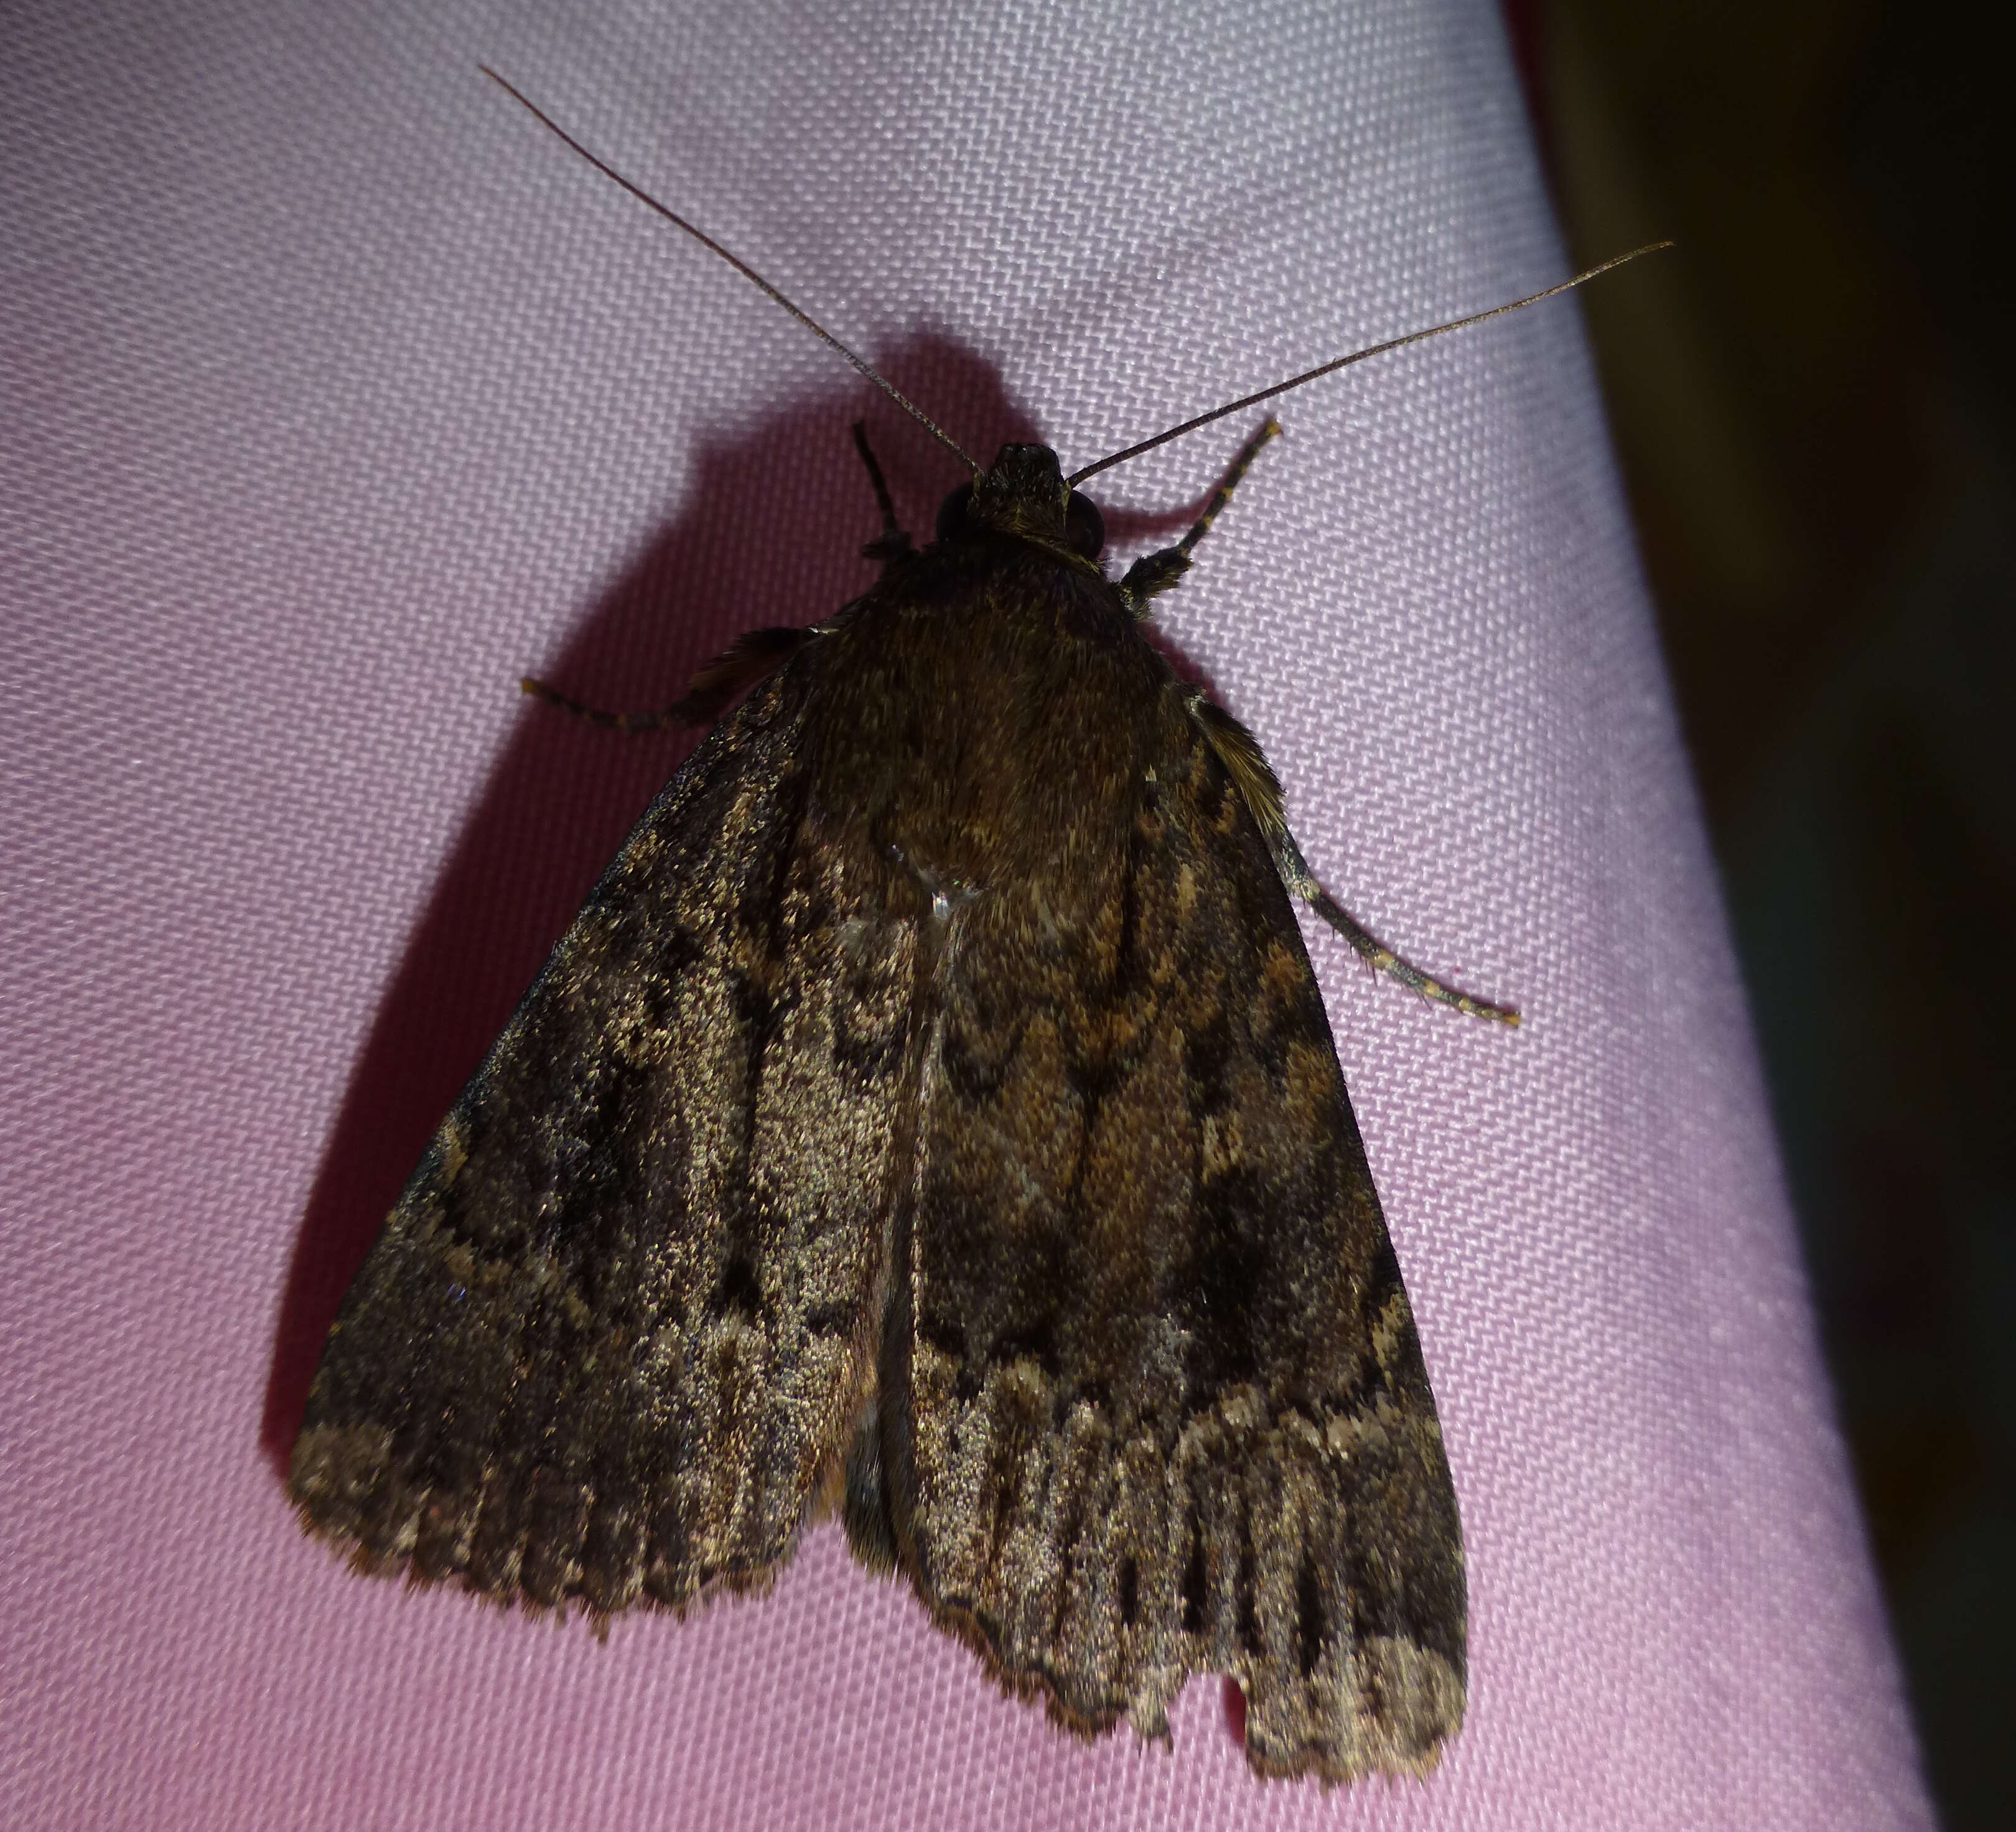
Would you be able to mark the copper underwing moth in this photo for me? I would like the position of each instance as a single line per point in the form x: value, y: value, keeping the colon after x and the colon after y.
x: 932, y: 1119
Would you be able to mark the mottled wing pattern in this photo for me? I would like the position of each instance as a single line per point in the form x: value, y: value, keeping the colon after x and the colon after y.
x: 605, y: 1346
x: 1167, y: 1412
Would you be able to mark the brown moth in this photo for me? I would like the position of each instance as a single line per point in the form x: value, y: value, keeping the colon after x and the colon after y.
x: 931, y: 1118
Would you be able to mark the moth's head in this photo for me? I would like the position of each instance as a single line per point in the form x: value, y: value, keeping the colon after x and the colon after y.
x: 1024, y: 493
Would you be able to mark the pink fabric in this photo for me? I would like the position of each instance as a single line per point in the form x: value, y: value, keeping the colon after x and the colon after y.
x: 338, y: 396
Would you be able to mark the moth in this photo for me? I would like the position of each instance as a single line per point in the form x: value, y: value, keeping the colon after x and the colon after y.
x: 931, y: 1119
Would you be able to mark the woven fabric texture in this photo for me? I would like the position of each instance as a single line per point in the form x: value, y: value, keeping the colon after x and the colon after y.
x: 338, y: 396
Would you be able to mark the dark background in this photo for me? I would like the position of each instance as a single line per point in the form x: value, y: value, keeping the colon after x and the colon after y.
x: 1812, y: 402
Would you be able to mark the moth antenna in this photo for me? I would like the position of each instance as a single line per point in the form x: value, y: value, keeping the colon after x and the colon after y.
x: 1246, y: 401
x: 740, y: 266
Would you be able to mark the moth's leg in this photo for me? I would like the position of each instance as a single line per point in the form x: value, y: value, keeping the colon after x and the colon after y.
x: 1295, y: 873
x: 1158, y: 572
x: 892, y: 543
x: 1239, y: 750
x: 1238, y: 469
x: 747, y: 660
x: 750, y: 656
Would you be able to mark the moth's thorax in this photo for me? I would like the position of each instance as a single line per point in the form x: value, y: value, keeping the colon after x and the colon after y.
x: 995, y: 711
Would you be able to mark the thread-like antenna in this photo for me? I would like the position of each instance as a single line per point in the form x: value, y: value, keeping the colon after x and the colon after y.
x: 1246, y: 401
x: 740, y: 266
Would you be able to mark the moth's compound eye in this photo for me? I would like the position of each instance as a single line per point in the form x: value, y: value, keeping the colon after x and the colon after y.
x: 1085, y: 527
x: 952, y: 513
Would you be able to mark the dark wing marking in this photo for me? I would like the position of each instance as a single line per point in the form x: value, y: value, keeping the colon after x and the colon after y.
x: 617, y: 1325
x: 1166, y: 1410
